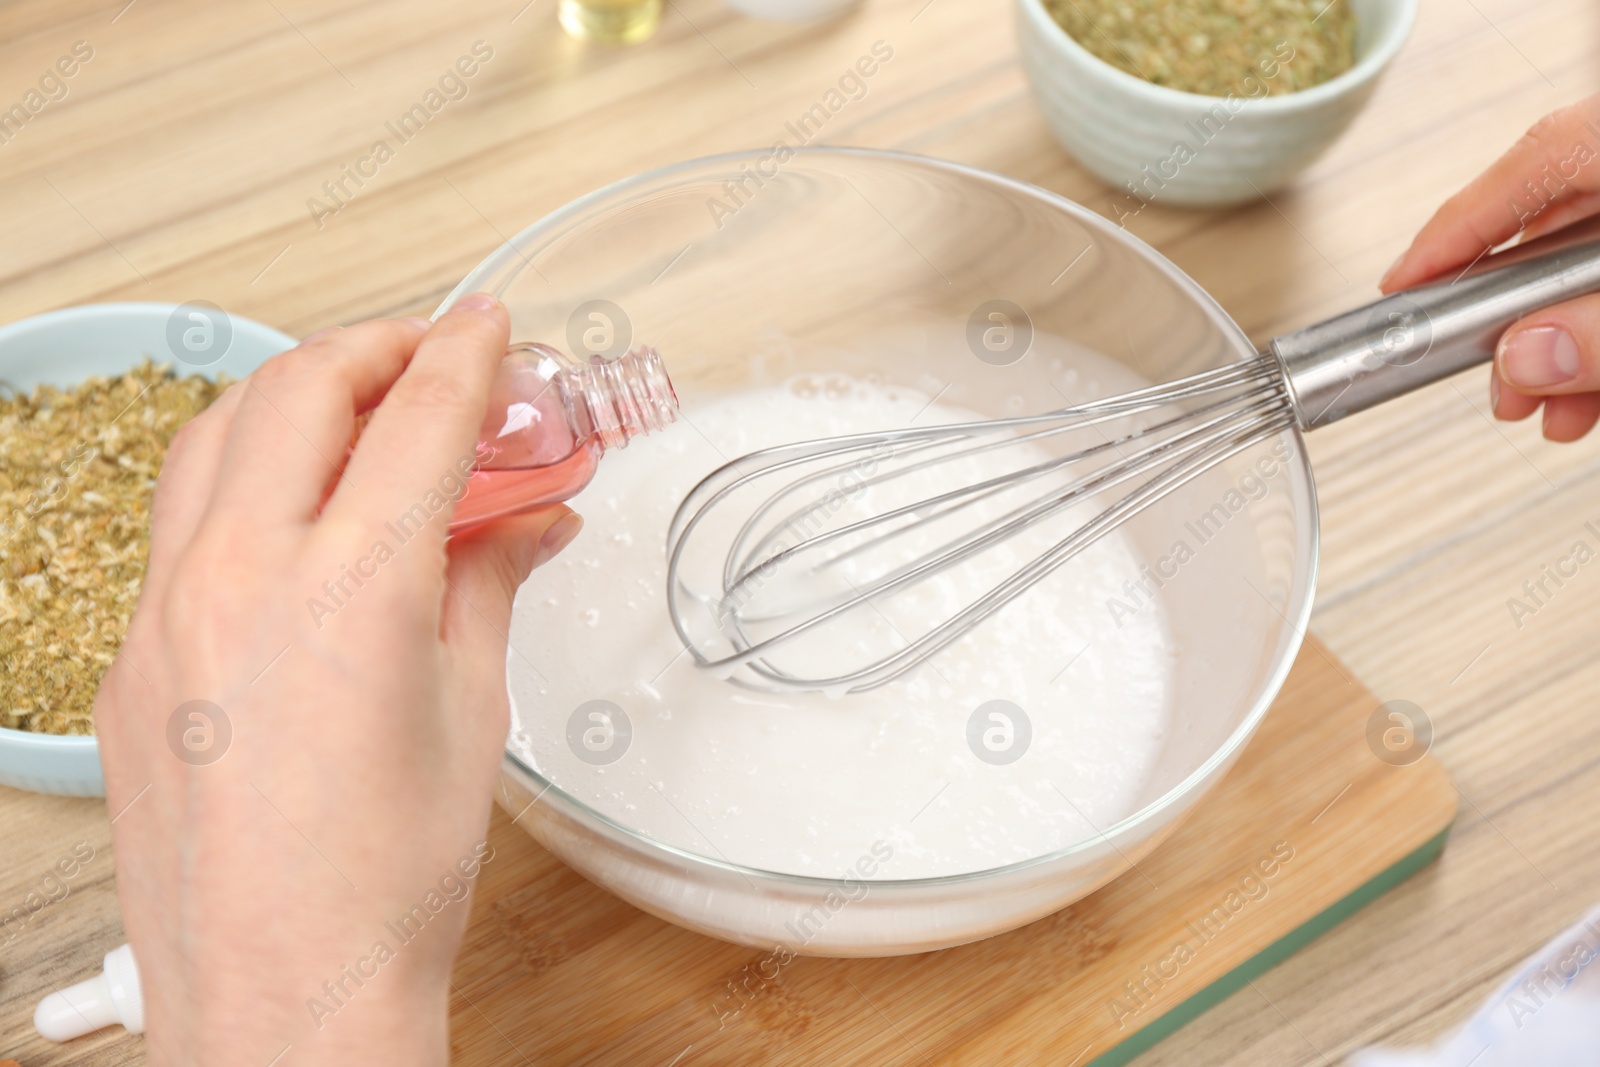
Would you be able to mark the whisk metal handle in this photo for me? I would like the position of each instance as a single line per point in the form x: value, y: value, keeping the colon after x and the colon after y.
x: 1416, y: 337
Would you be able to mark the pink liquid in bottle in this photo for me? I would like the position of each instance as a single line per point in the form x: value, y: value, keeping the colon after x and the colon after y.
x: 550, y: 419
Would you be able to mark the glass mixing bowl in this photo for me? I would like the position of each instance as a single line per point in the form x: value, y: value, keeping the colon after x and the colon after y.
x: 733, y: 264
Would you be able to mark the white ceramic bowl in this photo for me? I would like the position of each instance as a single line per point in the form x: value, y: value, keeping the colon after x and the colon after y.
x: 63, y: 348
x: 792, y: 10
x: 1127, y: 130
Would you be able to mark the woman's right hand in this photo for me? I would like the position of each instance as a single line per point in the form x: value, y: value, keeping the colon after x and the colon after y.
x: 1549, y: 179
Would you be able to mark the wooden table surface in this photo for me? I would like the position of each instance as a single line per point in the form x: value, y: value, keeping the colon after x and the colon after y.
x: 181, y: 161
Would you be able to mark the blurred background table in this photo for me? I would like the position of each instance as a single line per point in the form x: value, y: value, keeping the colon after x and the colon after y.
x: 181, y: 162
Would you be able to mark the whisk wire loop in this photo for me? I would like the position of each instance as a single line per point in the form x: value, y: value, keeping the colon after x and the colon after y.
x: 1220, y: 414
x: 965, y: 496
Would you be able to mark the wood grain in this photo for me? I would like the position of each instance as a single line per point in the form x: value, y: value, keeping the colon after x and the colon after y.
x: 179, y: 167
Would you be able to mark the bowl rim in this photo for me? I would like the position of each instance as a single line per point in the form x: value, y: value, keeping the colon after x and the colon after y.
x: 133, y: 309
x: 11, y: 737
x: 1297, y: 616
x: 1364, y: 70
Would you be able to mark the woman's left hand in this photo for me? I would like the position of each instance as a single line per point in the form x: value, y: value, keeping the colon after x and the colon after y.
x: 302, y: 733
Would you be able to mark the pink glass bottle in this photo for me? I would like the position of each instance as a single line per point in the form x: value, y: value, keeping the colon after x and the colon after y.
x: 550, y: 418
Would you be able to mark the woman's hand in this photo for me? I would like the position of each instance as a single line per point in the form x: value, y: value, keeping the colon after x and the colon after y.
x: 302, y: 733
x: 1549, y: 179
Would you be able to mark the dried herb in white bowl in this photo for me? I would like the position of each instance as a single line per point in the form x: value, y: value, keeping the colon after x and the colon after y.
x: 1212, y: 47
x: 77, y: 471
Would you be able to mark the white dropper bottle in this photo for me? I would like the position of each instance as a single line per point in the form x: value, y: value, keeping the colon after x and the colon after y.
x: 112, y: 996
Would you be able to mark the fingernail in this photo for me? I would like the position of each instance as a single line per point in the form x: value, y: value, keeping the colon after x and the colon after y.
x: 325, y: 331
x: 557, y: 537
x: 1539, y: 357
x: 475, y: 302
x: 1494, y: 392
x: 421, y: 324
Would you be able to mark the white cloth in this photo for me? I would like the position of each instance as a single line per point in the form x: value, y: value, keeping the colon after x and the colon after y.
x: 1545, y: 1015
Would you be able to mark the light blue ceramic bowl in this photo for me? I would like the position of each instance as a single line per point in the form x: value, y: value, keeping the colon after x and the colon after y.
x: 1153, y: 144
x: 63, y: 348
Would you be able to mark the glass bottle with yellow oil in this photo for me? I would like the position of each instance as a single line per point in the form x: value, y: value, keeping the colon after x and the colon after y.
x: 611, y: 21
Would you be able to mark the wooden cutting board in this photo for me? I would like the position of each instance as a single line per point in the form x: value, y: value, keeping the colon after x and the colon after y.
x: 557, y: 971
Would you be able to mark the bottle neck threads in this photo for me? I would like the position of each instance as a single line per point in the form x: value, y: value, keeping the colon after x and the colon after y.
x: 626, y: 396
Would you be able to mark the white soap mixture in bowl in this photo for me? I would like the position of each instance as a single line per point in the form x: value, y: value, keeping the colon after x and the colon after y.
x: 1009, y: 745
x: 805, y: 783
x: 825, y: 291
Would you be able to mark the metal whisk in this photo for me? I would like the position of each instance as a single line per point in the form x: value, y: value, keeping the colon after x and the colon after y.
x: 776, y: 533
